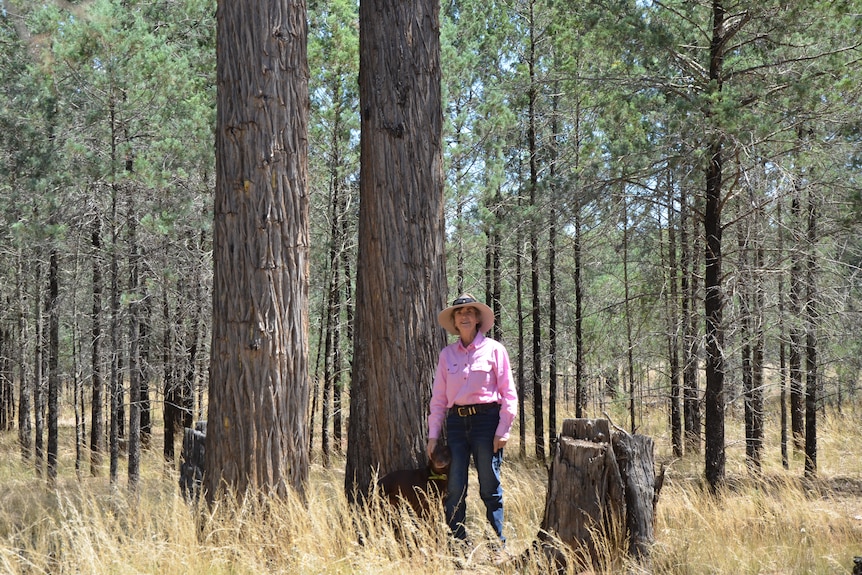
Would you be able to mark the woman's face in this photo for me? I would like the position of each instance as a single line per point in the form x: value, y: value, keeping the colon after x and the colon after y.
x: 466, y: 319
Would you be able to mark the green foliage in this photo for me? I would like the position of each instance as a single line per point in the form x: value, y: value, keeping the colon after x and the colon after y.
x: 106, y: 103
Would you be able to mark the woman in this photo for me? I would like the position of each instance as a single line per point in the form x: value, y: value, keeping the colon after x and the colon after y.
x: 474, y: 394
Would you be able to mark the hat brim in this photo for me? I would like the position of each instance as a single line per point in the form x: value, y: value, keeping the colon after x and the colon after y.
x: 446, y: 318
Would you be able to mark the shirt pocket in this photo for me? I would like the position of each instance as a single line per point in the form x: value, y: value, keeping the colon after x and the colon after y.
x: 482, y: 369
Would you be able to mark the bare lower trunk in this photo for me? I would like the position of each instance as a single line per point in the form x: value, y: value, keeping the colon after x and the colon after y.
x: 401, y: 278
x: 258, y: 389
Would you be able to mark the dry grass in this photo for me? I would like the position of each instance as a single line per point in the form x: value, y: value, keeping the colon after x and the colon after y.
x: 775, y: 524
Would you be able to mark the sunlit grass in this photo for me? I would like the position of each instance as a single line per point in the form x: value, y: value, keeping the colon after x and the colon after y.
x: 773, y: 523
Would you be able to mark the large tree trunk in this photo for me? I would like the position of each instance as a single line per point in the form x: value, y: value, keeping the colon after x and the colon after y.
x: 258, y: 391
x: 401, y: 278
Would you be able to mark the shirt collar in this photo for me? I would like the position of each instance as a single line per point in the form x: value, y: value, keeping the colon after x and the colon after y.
x: 477, y: 341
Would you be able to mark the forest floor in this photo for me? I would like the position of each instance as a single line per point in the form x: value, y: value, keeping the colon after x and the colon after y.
x: 774, y: 522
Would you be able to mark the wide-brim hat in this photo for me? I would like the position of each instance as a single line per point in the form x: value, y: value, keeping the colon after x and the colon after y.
x: 446, y: 318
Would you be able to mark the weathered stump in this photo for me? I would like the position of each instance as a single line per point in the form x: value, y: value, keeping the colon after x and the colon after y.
x: 602, y: 491
x: 192, y: 466
x: 635, y: 458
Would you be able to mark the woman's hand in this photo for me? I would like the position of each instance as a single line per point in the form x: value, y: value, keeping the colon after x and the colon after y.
x: 432, y: 443
x: 499, y: 443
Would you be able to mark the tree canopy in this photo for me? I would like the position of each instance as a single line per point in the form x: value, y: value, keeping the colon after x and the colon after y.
x: 594, y: 160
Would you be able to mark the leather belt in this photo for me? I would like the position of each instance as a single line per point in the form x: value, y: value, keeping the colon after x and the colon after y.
x: 469, y: 410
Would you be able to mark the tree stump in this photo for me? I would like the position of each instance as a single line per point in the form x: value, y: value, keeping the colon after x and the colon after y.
x: 635, y: 458
x: 192, y: 466
x: 602, y: 492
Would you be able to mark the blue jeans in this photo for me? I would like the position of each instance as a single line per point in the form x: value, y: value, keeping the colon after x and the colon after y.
x: 474, y: 436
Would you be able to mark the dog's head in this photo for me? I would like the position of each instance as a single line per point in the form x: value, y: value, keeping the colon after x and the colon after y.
x: 441, y: 457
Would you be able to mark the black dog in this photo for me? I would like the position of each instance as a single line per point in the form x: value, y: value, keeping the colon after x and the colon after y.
x: 420, y: 488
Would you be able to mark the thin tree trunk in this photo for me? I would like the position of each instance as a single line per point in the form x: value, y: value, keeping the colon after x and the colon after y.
x: 171, y: 413
x: 192, y: 345
x: 332, y: 319
x: 538, y: 403
x: 332, y: 358
x: 672, y: 305
x: 497, y: 274
x: 754, y: 401
x: 519, y: 309
x: 53, y: 361
x: 330, y: 313
x: 745, y: 289
x: 757, y: 367
x: 630, y: 368
x: 688, y: 287
x: 25, y: 431
x: 580, y: 360
x: 77, y: 376
x: 39, y: 373
x: 812, y: 320
x: 714, y: 300
x: 97, y: 413
x: 116, y: 384
x: 134, y: 439
x: 7, y: 387
x: 347, y: 298
x: 459, y: 244
x: 782, y: 339
x: 145, y: 331
x: 797, y: 333
x: 552, y: 279
x: 78, y: 401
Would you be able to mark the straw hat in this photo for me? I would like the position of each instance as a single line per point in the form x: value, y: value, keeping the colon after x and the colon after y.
x: 446, y: 318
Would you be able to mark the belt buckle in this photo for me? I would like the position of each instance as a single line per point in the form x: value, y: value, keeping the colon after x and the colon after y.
x: 466, y: 410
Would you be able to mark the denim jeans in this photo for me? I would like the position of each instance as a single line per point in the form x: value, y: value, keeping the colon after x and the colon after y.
x: 474, y: 436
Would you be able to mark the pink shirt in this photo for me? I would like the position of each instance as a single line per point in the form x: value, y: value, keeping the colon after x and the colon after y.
x: 479, y: 373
